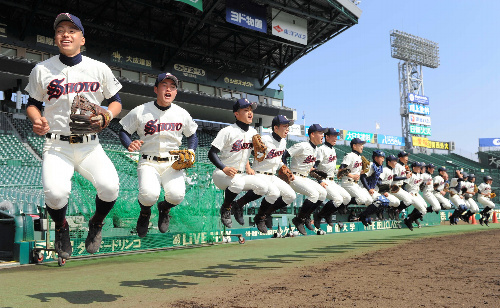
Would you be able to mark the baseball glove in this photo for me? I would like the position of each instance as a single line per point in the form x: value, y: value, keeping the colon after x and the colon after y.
x: 285, y: 174
x: 492, y: 195
x: 467, y: 196
x: 87, y: 117
x: 318, y: 175
x: 365, y: 165
x: 383, y: 188
x: 343, y: 172
x: 394, y: 189
x: 259, y: 148
x: 422, y: 186
x: 186, y: 159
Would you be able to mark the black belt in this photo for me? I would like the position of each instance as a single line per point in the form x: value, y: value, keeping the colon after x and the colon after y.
x: 72, y: 138
x: 296, y: 173
x: 160, y: 159
x: 266, y: 173
x: 331, y: 178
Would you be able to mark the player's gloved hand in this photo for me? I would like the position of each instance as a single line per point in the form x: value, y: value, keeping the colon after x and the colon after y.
x: 41, y: 126
x: 230, y: 171
x: 135, y: 146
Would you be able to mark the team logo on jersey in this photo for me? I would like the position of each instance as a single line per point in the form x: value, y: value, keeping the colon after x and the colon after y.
x: 389, y: 177
x: 357, y: 164
x: 309, y: 159
x: 152, y: 127
x: 55, y: 88
x: 273, y: 153
x: 240, y: 145
x: 332, y: 158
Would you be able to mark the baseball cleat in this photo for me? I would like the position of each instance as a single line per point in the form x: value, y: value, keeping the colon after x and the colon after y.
x: 408, y: 224
x: 481, y: 221
x: 340, y: 224
x: 299, y: 224
x: 238, y: 213
x: 163, y: 220
x: 329, y: 220
x: 62, y: 242
x: 364, y: 220
x: 307, y: 223
x: 317, y: 220
x: 269, y: 221
x: 142, y: 224
x: 260, y: 223
x: 225, y: 217
x: 94, y: 238
x: 486, y: 222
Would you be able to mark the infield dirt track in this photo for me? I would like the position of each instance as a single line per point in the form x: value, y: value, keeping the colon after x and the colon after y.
x: 429, y: 267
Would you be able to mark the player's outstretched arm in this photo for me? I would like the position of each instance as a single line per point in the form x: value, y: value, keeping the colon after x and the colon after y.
x: 40, y: 124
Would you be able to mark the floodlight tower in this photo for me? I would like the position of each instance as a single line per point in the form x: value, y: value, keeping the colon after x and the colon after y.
x: 414, y: 52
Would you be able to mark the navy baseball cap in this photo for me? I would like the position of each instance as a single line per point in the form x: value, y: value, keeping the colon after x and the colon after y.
x: 331, y: 131
x: 164, y: 76
x: 243, y: 103
x: 281, y: 119
x: 377, y: 153
x: 315, y: 128
x: 357, y: 141
x: 443, y: 168
x: 430, y: 165
x: 403, y: 154
x: 416, y: 164
x: 391, y: 158
x: 69, y: 17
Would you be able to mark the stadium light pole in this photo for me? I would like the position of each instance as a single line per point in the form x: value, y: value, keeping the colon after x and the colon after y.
x: 414, y: 52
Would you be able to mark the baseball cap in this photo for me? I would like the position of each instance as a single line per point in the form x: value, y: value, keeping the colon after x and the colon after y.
x: 164, y: 76
x: 403, y: 154
x: 243, y: 103
x: 377, y: 153
x: 391, y: 158
x: 443, y: 168
x: 430, y: 165
x: 69, y: 17
x: 281, y: 119
x: 416, y: 164
x: 315, y: 128
x: 331, y: 131
x: 357, y: 141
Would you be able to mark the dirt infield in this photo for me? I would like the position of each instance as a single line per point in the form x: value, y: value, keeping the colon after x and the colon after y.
x: 454, y: 271
x: 442, y: 266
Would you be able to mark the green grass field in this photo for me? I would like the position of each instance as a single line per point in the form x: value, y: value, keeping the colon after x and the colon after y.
x: 160, y: 278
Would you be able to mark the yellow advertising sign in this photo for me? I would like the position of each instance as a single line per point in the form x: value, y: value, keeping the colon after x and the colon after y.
x: 426, y: 143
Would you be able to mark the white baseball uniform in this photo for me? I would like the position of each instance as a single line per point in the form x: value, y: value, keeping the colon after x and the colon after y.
x: 353, y: 162
x: 400, y: 171
x: 327, y: 157
x: 440, y: 183
x: 235, y: 147
x: 428, y: 192
x: 161, y: 131
x: 56, y: 84
x: 266, y: 170
x: 413, y: 188
x: 470, y: 203
x: 303, y: 156
x: 484, y: 195
x: 386, y: 179
x: 456, y: 194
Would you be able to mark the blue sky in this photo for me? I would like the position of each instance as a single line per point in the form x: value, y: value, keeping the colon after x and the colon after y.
x: 351, y: 82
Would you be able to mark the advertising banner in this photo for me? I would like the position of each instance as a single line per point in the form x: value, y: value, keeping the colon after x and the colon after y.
x: 349, y: 135
x: 289, y: 27
x: 489, y: 142
x: 390, y: 140
x: 420, y: 109
x: 190, y: 71
x: 246, y: 14
x: 419, y: 99
x: 194, y: 3
x: 426, y: 143
x: 419, y: 119
x: 420, y: 130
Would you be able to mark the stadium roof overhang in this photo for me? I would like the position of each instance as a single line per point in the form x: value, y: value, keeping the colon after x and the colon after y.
x: 172, y: 31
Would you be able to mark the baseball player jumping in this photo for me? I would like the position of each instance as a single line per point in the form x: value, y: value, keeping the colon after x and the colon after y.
x: 326, y: 161
x: 303, y: 156
x: 428, y: 189
x: 160, y: 125
x: 441, y: 186
x: 59, y: 82
x: 484, y: 197
x: 401, y: 175
x: 350, y: 173
x: 386, y: 179
x: 472, y: 189
x: 413, y: 186
x: 234, y: 145
x: 280, y: 194
x: 456, y: 196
